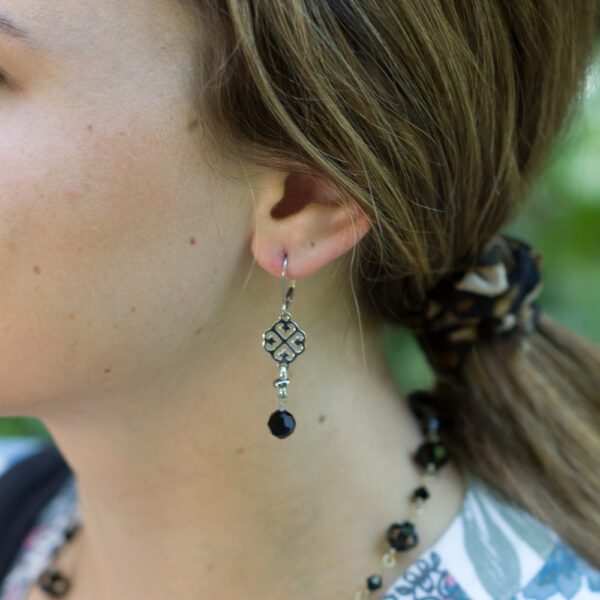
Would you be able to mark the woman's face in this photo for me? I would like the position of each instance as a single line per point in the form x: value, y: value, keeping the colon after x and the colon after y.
x: 116, y: 235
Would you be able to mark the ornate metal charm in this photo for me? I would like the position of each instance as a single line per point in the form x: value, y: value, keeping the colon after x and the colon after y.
x: 284, y: 340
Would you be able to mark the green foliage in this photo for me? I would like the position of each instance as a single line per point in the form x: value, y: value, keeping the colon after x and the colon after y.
x: 562, y: 219
x: 23, y: 426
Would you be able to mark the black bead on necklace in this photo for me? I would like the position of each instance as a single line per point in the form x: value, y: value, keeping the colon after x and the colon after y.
x: 52, y: 581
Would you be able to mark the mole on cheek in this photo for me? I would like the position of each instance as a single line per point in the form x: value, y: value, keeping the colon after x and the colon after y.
x: 90, y: 127
x: 36, y: 270
x: 192, y: 241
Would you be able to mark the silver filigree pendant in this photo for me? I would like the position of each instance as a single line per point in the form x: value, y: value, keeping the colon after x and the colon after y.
x: 284, y: 340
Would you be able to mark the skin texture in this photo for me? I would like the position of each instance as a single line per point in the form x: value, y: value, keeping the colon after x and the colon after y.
x: 138, y: 273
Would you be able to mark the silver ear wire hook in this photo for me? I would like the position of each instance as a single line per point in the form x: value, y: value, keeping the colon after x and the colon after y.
x: 286, y: 295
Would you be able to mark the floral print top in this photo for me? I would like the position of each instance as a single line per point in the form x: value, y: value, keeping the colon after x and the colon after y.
x: 492, y: 550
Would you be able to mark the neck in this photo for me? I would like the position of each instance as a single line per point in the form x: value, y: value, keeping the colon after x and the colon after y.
x: 184, y: 492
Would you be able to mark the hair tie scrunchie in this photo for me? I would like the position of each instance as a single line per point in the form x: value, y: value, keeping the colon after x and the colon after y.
x: 494, y: 298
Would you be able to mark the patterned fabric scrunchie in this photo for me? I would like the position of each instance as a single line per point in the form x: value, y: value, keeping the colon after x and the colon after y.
x: 494, y: 298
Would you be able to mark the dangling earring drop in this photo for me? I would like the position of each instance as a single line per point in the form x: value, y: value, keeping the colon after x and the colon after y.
x: 284, y: 341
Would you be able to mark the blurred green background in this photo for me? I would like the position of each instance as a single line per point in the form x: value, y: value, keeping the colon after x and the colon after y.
x: 562, y: 221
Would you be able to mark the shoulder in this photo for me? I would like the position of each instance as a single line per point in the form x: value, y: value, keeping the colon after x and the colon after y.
x: 495, y: 550
x: 31, y: 472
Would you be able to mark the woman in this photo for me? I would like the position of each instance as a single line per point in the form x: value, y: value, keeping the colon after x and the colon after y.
x: 185, y: 182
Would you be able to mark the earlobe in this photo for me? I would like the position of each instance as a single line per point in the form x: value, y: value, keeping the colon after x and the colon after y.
x: 307, y: 222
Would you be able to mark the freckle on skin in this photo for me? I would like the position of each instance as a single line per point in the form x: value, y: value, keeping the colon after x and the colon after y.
x: 193, y: 124
x: 71, y: 316
x: 107, y: 370
x: 321, y: 418
x: 312, y: 244
x: 192, y: 241
x: 133, y: 309
x: 198, y: 331
x: 90, y: 127
x: 36, y: 269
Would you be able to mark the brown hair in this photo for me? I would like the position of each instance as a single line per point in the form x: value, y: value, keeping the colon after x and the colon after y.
x: 434, y: 116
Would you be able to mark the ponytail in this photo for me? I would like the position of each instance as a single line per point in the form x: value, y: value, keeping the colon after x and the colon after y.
x: 526, y: 419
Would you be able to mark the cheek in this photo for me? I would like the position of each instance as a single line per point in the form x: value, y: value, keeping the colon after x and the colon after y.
x: 107, y: 263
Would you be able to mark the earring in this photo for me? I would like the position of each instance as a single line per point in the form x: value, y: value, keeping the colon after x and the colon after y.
x: 284, y: 341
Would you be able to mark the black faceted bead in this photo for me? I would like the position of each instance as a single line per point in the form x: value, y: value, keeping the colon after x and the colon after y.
x: 402, y: 536
x: 54, y: 583
x: 71, y: 531
x: 282, y: 423
x: 374, y: 582
x: 431, y: 453
x: 421, y: 492
x: 420, y: 404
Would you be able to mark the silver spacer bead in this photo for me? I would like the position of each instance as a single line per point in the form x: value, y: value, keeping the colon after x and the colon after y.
x: 388, y: 560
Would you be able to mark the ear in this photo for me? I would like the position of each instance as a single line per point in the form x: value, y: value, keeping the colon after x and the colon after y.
x: 298, y: 215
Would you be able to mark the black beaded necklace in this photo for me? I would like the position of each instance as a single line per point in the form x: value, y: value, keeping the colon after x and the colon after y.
x: 430, y: 456
x: 401, y: 536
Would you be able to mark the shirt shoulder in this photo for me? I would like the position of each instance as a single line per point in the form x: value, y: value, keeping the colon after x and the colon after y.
x: 37, y: 506
x: 14, y: 449
x: 495, y: 550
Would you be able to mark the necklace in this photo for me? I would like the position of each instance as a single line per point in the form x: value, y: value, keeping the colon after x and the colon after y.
x: 401, y: 536
x: 53, y: 581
